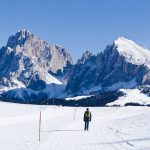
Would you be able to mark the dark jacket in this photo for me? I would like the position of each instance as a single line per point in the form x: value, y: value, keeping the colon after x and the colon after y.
x: 87, y: 116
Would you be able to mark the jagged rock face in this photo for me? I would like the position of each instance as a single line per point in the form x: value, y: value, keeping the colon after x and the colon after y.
x: 81, y: 75
x: 27, y: 61
x: 50, y: 57
x: 123, y: 64
x: 84, y: 57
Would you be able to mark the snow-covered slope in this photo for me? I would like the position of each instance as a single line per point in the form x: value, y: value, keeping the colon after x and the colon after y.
x: 131, y: 97
x: 78, y: 97
x: 114, y: 128
x: 28, y: 65
x: 133, y: 53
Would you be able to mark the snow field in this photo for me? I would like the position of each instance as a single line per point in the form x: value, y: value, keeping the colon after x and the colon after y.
x: 112, y: 128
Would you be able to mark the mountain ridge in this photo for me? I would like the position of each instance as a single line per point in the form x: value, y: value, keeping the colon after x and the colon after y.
x: 33, y: 70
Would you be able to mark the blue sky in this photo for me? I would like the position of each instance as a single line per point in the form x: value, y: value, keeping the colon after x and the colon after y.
x: 78, y: 25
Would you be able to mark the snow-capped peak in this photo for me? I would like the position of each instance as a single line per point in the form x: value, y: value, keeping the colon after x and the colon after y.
x: 123, y: 41
x: 133, y: 52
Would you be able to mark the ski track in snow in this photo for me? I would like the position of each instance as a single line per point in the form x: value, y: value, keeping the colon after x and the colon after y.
x: 112, y: 128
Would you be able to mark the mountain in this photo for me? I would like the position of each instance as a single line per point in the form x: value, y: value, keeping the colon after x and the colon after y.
x: 33, y: 71
x: 30, y: 68
x: 124, y: 64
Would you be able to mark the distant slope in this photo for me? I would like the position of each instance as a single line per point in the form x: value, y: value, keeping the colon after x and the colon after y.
x: 131, y: 97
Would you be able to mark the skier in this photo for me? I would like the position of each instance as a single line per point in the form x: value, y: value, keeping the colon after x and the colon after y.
x: 87, y: 119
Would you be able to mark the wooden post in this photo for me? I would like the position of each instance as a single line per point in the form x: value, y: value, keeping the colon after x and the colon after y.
x: 40, y: 127
x: 75, y: 114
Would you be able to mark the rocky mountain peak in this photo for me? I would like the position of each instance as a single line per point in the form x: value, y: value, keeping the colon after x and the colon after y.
x: 29, y: 65
x: 24, y: 32
x: 84, y: 57
x: 87, y: 54
x: 18, y: 39
x: 53, y: 58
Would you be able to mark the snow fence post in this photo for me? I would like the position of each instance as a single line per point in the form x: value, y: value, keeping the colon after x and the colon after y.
x: 75, y: 114
x: 40, y: 126
x: 41, y: 108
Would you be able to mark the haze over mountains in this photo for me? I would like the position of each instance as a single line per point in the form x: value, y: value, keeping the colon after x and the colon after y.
x: 33, y: 70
